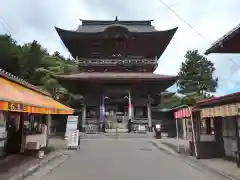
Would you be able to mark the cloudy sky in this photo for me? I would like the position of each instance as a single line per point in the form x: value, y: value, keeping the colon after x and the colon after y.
x: 29, y: 20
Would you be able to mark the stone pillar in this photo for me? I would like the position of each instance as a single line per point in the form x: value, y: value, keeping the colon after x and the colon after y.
x: 102, y: 113
x: 149, y: 114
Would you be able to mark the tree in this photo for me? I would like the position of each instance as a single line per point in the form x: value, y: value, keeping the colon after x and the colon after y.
x: 196, y: 77
x: 9, y: 54
x: 171, y: 101
x: 30, y: 62
x: 34, y: 64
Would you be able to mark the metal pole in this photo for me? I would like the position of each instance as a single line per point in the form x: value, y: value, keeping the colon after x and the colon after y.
x: 178, y: 147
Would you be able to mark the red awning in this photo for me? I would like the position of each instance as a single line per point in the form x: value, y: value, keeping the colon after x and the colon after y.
x: 183, y: 113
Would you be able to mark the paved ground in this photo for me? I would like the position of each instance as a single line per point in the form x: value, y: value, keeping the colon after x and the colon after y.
x: 17, y: 164
x: 225, y: 167
x: 118, y: 159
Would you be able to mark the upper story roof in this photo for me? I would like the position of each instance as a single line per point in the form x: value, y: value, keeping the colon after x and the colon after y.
x: 92, y: 26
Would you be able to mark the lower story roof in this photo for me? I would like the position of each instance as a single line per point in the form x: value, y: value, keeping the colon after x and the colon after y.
x: 116, y: 76
x: 109, y: 82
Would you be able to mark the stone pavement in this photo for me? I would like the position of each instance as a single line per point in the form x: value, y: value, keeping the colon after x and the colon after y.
x: 118, y: 159
x: 20, y: 165
x: 224, y: 167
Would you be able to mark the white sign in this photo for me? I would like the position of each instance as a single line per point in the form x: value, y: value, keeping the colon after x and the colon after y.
x: 158, y: 126
x: 72, y: 123
x: 141, y: 128
x: 73, y: 137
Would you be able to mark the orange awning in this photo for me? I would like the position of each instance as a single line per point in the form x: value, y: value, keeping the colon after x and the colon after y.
x: 15, y: 97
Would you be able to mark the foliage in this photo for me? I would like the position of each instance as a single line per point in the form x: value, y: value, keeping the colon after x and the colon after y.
x: 34, y: 64
x: 171, y: 101
x: 196, y: 78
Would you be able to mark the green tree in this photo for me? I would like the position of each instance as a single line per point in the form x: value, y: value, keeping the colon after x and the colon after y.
x: 196, y: 78
x: 30, y: 62
x: 34, y: 64
x: 10, y: 53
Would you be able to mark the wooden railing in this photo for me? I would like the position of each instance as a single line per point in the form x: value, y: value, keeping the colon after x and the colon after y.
x: 96, y: 62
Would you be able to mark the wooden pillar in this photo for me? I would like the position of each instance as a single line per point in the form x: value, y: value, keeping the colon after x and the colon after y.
x: 184, y: 128
x: 237, y: 140
x: 49, y: 124
x: 84, y: 111
x: 149, y: 114
x: 198, y: 133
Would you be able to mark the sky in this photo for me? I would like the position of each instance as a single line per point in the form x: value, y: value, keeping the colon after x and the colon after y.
x: 29, y: 20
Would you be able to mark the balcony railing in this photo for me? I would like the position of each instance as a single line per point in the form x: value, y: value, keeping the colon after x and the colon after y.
x: 96, y: 62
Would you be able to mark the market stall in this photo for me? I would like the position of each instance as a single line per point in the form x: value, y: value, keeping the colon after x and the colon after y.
x: 218, y: 128
x: 184, y: 117
x: 26, y: 111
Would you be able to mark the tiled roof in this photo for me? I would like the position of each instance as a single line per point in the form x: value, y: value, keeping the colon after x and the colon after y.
x: 20, y: 81
x: 223, y: 39
x: 114, y: 75
x: 101, y: 25
x: 228, y: 97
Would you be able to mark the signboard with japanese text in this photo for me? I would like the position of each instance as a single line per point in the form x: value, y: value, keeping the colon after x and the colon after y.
x: 18, y: 107
x: 73, y: 136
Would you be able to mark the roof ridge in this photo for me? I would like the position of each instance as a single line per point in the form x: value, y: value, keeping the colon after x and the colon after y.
x: 107, y: 22
x: 22, y: 82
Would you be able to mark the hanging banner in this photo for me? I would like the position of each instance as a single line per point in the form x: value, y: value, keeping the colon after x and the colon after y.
x: 102, y: 108
x: 183, y: 113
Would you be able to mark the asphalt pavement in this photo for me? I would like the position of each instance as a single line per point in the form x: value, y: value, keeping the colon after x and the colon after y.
x: 122, y: 159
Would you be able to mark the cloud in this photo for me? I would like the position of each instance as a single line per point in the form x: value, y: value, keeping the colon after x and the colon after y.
x: 35, y: 20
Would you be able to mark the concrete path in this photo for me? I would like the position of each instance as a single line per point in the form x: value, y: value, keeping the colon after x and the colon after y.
x: 123, y: 159
x: 219, y: 165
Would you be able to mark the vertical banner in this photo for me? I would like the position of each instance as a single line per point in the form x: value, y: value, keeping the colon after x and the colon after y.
x: 102, y: 107
x: 129, y: 105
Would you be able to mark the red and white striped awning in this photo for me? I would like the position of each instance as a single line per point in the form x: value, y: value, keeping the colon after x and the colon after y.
x: 183, y: 113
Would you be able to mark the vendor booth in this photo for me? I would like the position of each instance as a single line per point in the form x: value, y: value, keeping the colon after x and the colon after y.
x: 218, y: 127
x: 25, y: 112
x: 185, y: 124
